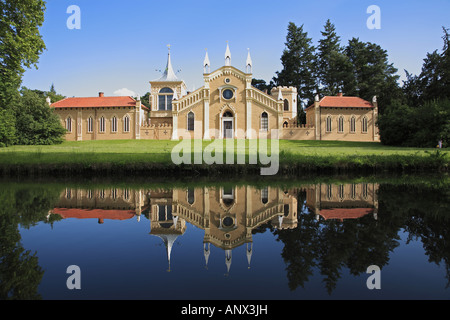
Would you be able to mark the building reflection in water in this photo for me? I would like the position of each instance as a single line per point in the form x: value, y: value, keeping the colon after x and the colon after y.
x: 228, y: 214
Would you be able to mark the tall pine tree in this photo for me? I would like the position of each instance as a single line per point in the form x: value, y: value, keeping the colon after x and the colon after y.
x: 433, y: 82
x: 298, y: 65
x: 334, y: 70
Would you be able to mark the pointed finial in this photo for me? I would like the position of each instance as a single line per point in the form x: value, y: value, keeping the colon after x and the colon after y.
x: 206, y: 252
x: 280, y: 96
x: 249, y: 253
x: 169, y: 74
x: 206, y: 63
x: 228, y: 56
x: 228, y: 260
x: 248, y: 63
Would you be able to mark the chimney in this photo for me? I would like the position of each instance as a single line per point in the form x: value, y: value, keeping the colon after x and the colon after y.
x: 340, y: 94
x: 101, y: 94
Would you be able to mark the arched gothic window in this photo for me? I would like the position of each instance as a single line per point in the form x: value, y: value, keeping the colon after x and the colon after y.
x: 286, y: 105
x: 341, y: 124
x: 114, y: 124
x: 165, y: 97
x: 190, y: 195
x: 265, y: 195
x: 165, y: 215
x: 264, y: 121
x: 353, y: 124
x: 328, y: 124
x: 69, y: 124
x: 126, y: 124
x: 228, y: 196
x: 102, y: 124
x: 190, y: 121
x: 227, y: 114
x: 286, y: 210
x: 364, y: 125
x: 90, y: 122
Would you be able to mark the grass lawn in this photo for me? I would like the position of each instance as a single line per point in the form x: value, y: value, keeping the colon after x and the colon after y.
x: 305, y: 153
x: 158, y: 151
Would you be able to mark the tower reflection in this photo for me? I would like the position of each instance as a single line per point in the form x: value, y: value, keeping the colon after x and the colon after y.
x: 229, y: 215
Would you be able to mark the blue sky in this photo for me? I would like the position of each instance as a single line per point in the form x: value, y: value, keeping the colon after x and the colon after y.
x: 121, y: 44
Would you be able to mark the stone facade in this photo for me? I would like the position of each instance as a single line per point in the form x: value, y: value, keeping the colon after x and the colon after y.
x: 226, y: 106
x: 100, y: 118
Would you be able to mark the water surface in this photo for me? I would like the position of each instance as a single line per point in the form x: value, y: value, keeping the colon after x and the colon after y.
x: 280, y: 241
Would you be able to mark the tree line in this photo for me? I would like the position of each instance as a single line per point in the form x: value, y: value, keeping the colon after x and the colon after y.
x: 414, y: 114
x: 25, y: 117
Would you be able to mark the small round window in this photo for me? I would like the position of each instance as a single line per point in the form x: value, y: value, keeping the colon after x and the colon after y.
x: 227, y: 221
x: 227, y: 94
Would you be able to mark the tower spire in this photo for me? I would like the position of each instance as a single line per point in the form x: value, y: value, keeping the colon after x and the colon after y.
x: 228, y: 260
x: 228, y: 56
x: 168, y: 240
x: 249, y: 253
x: 168, y: 74
x: 206, y: 63
x: 248, y: 63
x: 206, y: 252
x: 280, y: 96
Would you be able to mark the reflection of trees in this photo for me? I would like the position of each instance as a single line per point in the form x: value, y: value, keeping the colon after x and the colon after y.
x: 20, y: 273
x: 426, y: 217
x: 330, y: 245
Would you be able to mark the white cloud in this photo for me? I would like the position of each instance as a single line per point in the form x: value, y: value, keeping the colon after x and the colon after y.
x: 124, y: 92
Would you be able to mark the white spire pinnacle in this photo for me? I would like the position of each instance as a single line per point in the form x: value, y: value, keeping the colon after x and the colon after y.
x: 206, y: 63
x: 169, y: 240
x: 248, y: 63
x: 168, y: 74
x: 280, y: 221
x: 228, y: 56
x: 228, y: 260
x: 280, y: 96
x: 206, y: 252
x: 249, y: 253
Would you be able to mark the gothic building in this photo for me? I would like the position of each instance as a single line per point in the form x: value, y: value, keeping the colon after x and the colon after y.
x: 226, y: 106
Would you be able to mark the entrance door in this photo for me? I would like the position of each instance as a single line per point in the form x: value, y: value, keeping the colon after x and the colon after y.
x: 227, y: 129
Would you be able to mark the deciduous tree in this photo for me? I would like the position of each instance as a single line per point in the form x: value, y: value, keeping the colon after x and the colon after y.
x: 20, y: 44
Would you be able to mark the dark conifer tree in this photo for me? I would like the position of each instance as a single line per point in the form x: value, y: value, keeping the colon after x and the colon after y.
x: 334, y: 70
x: 298, y: 65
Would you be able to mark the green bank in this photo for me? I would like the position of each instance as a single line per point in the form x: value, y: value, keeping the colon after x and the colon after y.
x: 156, y: 157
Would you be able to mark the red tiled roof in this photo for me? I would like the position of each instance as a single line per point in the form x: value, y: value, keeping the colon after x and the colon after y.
x: 343, y: 102
x: 345, y: 213
x: 94, y: 213
x: 89, y: 102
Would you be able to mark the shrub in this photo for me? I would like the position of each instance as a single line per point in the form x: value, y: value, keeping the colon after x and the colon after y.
x: 35, y: 122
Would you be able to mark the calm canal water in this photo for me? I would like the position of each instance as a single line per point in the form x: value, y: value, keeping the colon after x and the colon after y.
x: 305, y: 240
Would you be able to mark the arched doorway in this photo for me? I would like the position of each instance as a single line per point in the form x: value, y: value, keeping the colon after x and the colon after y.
x: 227, y: 125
